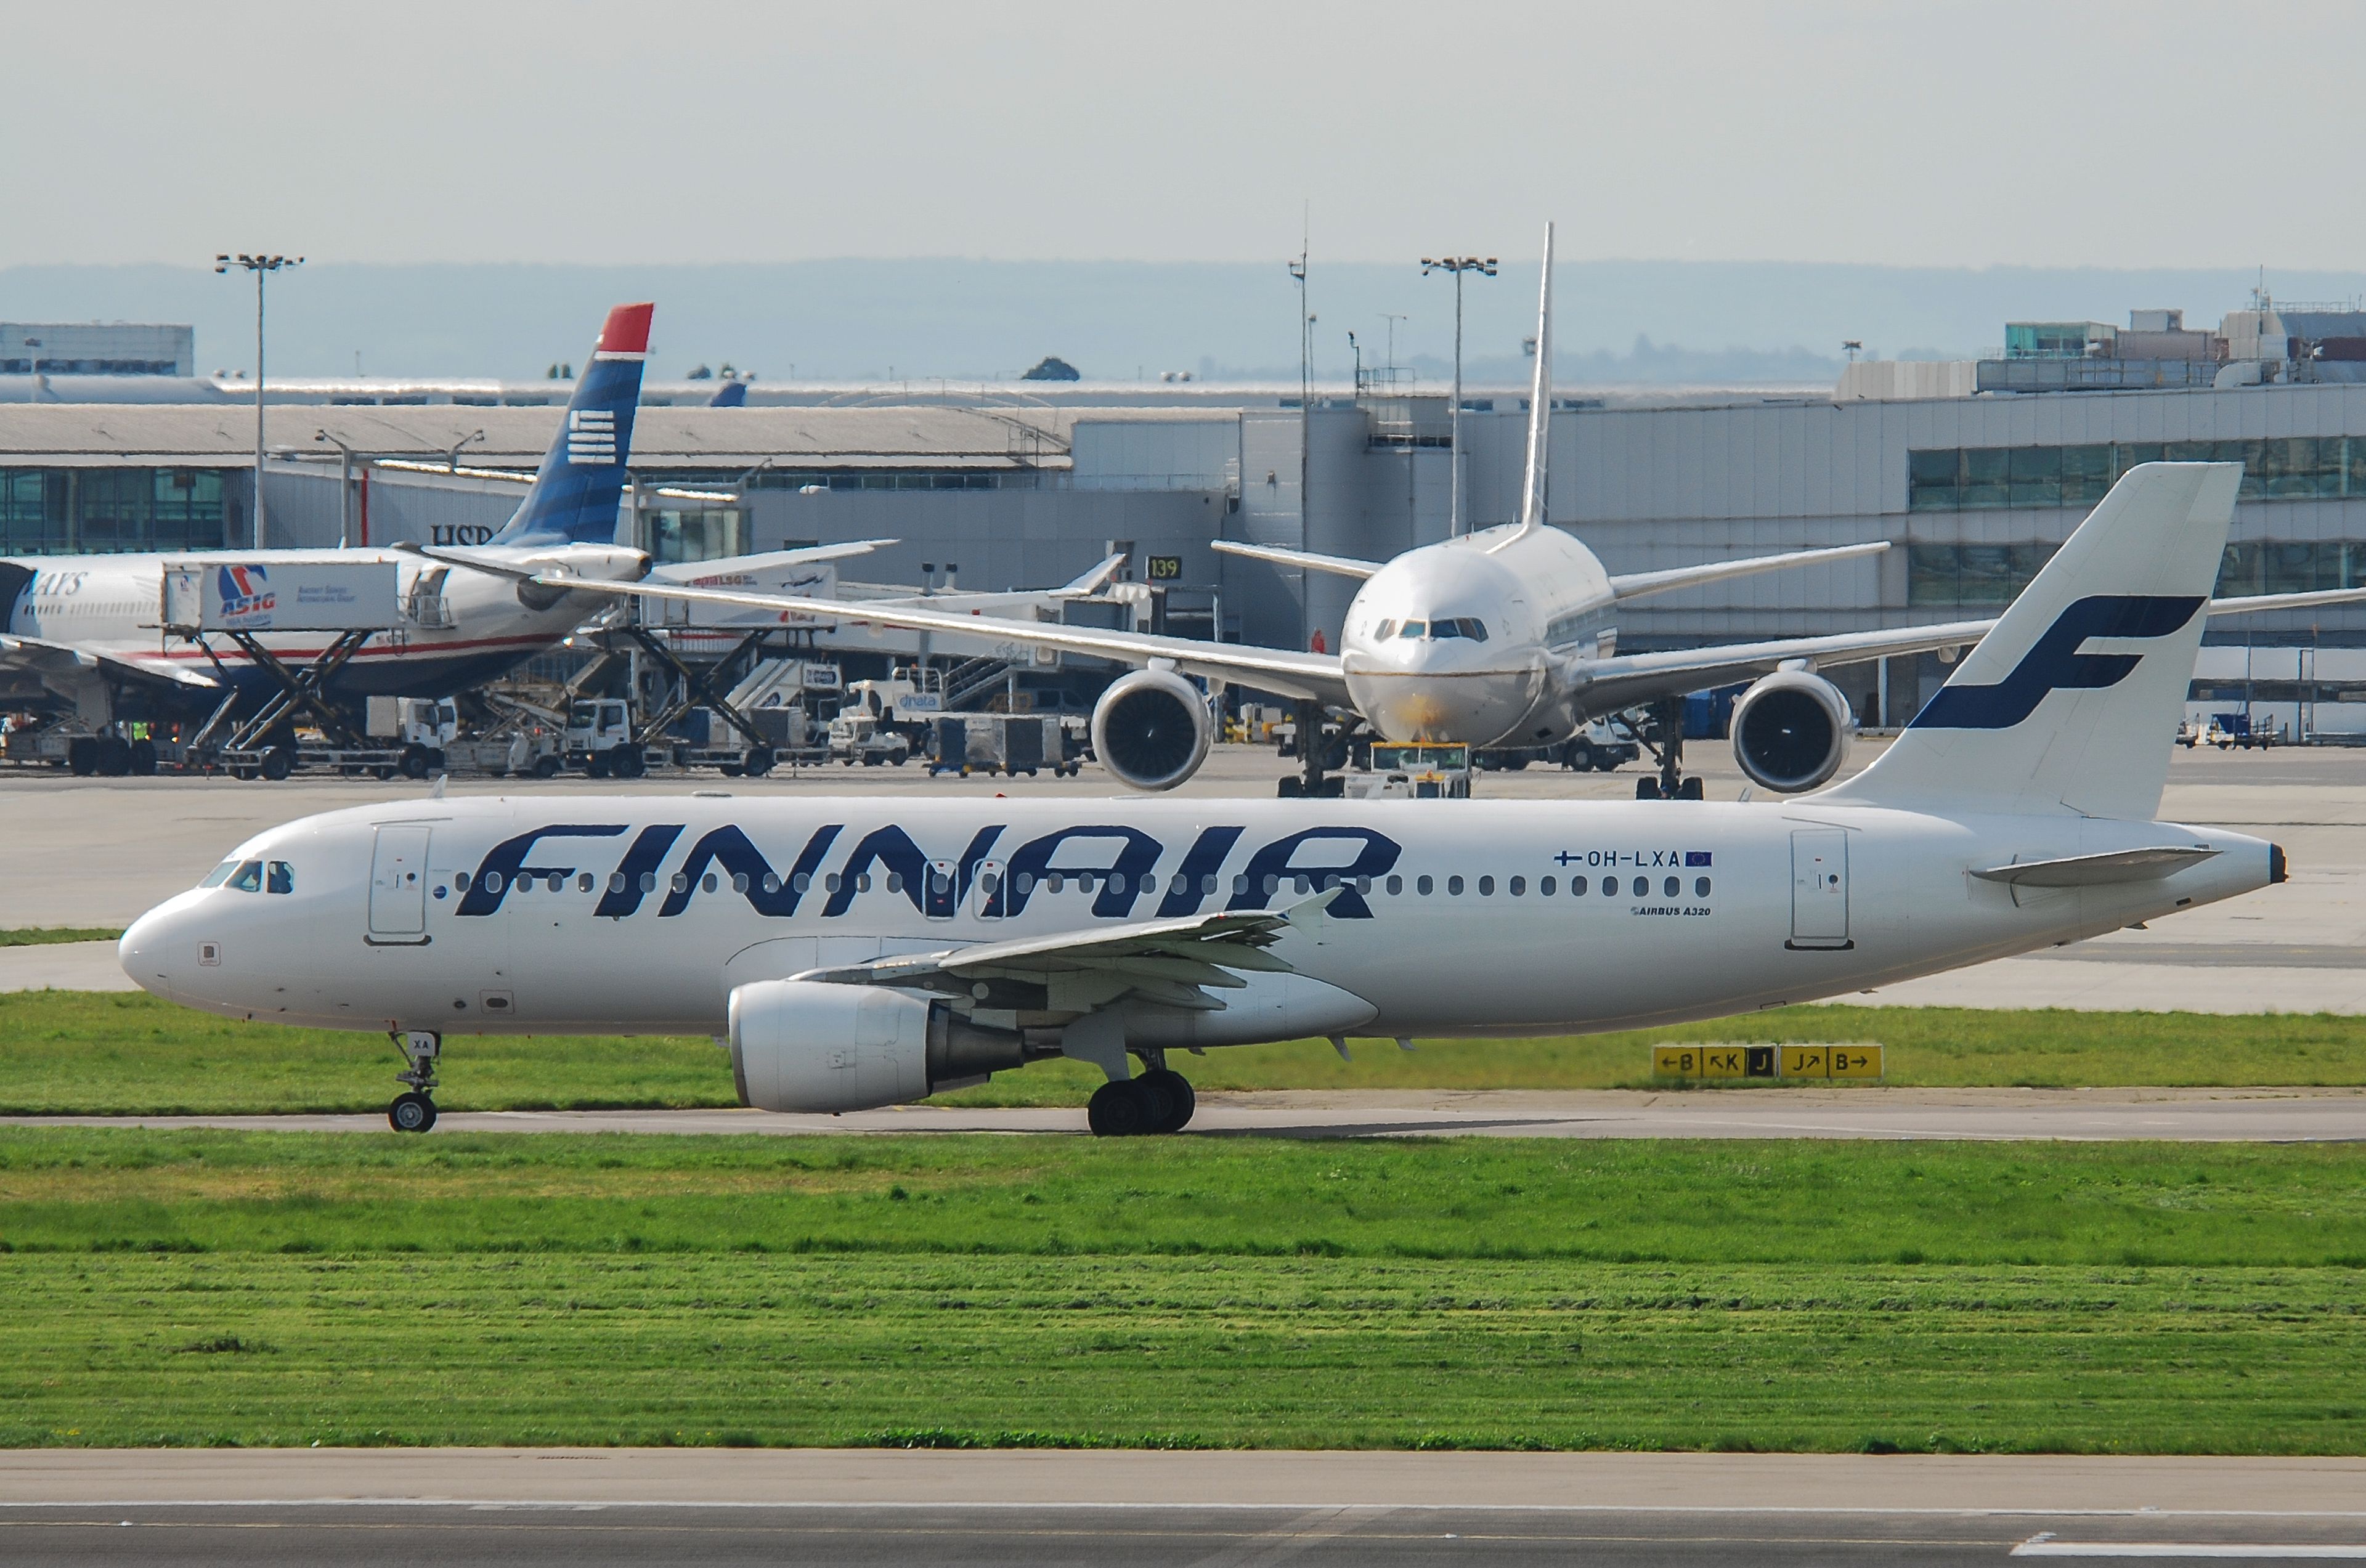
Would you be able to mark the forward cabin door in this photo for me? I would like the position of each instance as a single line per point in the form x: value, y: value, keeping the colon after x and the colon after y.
x: 1820, y: 891
x: 398, y: 895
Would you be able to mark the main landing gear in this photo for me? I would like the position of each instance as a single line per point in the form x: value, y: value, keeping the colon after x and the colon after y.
x: 1158, y: 1102
x: 413, y: 1110
x: 1662, y: 734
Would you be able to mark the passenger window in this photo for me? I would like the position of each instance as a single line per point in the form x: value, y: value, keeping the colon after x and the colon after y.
x: 1700, y: 888
x: 1576, y: 887
x: 862, y: 882
x: 1240, y: 885
x: 1423, y: 885
x: 220, y: 874
x: 583, y: 883
x: 493, y: 882
x: 1305, y: 884
x: 1208, y: 883
x: 1642, y: 887
x: 282, y: 877
x: 460, y: 882
x: 248, y: 877
x: 772, y: 881
x: 1545, y: 887
x: 1396, y: 885
x: 895, y: 881
x: 801, y: 882
x: 939, y: 883
x: 1117, y: 882
x: 681, y: 883
x: 649, y: 882
x: 1610, y: 887
x: 1486, y: 888
x: 1272, y: 885
x: 738, y: 882
x: 1520, y: 885
x: 558, y: 882
x: 1025, y: 883
x: 616, y: 882
x: 1084, y: 881
x: 1454, y: 886
x: 1672, y: 887
x: 1054, y: 883
x: 831, y: 881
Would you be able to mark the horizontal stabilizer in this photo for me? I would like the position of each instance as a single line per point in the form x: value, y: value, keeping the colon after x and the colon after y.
x: 1337, y: 566
x: 736, y: 569
x: 1094, y: 580
x: 2097, y: 871
x: 1637, y: 584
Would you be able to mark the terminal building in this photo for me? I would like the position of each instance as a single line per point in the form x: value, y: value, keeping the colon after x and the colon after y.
x: 1974, y: 473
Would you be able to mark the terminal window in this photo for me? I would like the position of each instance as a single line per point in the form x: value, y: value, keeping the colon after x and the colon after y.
x: 106, y: 511
x: 1993, y: 574
x: 1970, y: 478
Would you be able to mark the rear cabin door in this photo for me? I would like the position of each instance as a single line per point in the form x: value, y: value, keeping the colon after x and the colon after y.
x: 1820, y: 893
x: 397, y: 897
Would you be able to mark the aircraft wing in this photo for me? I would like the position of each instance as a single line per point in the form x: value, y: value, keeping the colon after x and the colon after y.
x: 1637, y: 584
x: 1607, y: 685
x: 1275, y: 669
x: 1170, y: 963
x: 696, y: 570
x: 1337, y: 566
x: 59, y: 667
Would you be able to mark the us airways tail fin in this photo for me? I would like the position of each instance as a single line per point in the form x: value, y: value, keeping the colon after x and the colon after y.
x: 582, y: 481
x: 2070, y: 703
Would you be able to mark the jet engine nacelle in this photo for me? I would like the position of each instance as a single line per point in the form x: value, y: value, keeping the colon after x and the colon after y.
x: 1151, y: 730
x: 815, y: 1045
x: 1791, y: 731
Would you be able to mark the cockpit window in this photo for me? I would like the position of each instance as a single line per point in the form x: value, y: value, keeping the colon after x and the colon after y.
x: 1416, y: 629
x: 281, y: 877
x: 248, y: 877
x: 1473, y: 627
x: 1440, y: 630
x: 1384, y: 631
x: 220, y: 874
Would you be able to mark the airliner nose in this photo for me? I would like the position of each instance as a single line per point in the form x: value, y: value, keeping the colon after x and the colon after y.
x: 145, y: 952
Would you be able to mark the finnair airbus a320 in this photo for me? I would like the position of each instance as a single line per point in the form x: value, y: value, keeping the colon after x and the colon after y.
x: 859, y: 953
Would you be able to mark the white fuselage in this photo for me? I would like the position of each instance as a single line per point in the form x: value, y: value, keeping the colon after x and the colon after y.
x: 466, y: 629
x: 622, y: 915
x: 1543, y: 602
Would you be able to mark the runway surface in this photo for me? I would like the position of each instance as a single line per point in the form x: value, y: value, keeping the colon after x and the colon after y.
x: 2268, y: 1115
x: 592, y: 1507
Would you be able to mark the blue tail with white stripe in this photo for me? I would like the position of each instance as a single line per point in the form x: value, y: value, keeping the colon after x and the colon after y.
x: 581, y: 485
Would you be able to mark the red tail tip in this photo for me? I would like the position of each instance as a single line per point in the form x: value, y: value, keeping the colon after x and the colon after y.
x: 627, y: 330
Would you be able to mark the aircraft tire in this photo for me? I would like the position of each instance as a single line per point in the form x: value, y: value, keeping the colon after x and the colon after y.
x: 1691, y: 789
x: 1119, y: 1109
x: 411, y: 1112
x: 1646, y: 789
x: 1172, y: 1092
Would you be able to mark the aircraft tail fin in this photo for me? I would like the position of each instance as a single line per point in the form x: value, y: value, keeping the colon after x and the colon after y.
x: 2069, y: 704
x: 1532, y: 485
x: 580, y: 484
x: 732, y: 394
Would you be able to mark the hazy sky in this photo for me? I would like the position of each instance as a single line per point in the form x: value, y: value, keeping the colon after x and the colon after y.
x: 2054, y: 134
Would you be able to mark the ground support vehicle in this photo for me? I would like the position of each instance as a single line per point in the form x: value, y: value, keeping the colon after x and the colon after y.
x: 1600, y: 748
x: 1008, y: 744
x: 2229, y: 731
x: 1410, y: 772
x: 857, y: 737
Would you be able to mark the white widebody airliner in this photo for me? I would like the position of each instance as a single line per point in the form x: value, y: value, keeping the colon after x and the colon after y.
x: 861, y: 952
x: 1506, y: 637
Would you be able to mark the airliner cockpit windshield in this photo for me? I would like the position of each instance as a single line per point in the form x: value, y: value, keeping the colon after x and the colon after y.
x: 252, y: 877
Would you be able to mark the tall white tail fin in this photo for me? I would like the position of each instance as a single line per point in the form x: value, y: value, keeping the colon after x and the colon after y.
x: 2070, y: 702
x: 1532, y: 483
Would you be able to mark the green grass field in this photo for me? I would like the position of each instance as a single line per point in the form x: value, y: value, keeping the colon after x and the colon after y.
x: 43, y: 936
x: 200, y: 1287
x: 63, y: 1052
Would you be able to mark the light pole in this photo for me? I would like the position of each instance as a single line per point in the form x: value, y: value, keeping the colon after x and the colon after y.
x: 1458, y: 266
x: 258, y: 265
x: 33, y: 372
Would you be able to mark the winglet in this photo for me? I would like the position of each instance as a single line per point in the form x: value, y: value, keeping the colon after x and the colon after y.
x: 1532, y: 487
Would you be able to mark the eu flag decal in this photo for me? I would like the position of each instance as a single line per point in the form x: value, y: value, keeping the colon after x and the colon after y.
x: 1695, y: 857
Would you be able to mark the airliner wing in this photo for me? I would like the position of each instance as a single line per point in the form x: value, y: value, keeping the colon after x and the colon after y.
x: 1337, y: 566
x: 1607, y: 685
x: 1166, y: 961
x: 695, y: 570
x: 51, y: 664
x: 1637, y: 584
x: 1274, y: 670
x: 1094, y: 580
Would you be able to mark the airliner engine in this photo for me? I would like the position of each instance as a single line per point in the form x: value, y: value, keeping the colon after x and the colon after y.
x: 1151, y: 730
x: 816, y: 1046
x: 1791, y: 731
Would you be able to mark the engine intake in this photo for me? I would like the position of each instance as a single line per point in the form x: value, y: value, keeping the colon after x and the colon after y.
x: 1151, y: 730
x: 1791, y: 731
x: 815, y: 1045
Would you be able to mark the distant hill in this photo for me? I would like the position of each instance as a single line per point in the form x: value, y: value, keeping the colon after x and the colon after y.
x: 1634, y: 322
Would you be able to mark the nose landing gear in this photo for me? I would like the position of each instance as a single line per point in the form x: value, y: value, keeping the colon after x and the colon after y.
x: 413, y: 1110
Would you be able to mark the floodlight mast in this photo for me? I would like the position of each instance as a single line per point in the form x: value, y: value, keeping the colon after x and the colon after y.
x: 1458, y: 266
x: 258, y: 264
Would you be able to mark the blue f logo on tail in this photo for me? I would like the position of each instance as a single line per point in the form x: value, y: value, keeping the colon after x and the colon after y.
x: 2054, y: 662
x: 582, y: 481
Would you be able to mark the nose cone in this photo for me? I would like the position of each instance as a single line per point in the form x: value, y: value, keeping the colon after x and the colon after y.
x: 1455, y: 688
x: 149, y: 951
